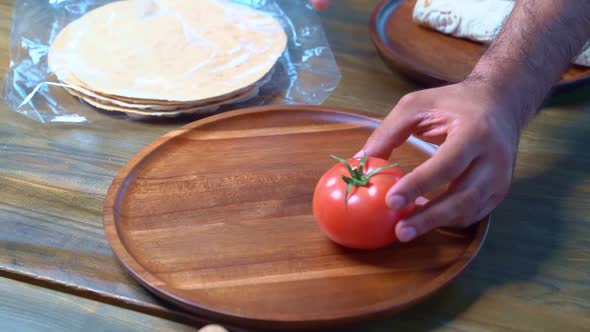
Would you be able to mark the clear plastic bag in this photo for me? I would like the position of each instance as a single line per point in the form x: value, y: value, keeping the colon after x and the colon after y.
x: 306, y: 72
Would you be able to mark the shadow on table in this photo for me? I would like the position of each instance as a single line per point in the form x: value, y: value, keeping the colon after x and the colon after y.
x: 521, y: 237
x: 570, y: 97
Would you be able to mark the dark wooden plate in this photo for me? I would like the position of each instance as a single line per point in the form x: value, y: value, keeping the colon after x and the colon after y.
x: 216, y: 217
x: 430, y: 57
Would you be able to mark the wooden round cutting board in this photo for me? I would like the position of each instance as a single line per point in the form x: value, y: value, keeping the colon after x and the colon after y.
x: 216, y: 217
x: 431, y: 57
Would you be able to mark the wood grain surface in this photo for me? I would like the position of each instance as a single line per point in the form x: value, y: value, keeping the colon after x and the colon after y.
x: 531, y: 275
x: 217, y: 217
x: 26, y: 307
x: 431, y: 57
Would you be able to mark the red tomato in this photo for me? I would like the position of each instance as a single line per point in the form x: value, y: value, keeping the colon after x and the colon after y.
x: 362, y: 220
x: 320, y: 5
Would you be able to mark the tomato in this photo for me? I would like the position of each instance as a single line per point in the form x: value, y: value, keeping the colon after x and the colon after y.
x: 361, y: 219
x: 320, y: 5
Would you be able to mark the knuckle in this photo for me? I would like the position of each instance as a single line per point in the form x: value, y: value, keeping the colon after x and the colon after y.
x: 471, y: 197
x: 491, y: 137
x: 443, y: 216
x: 407, y: 100
x: 375, y: 136
x: 428, y: 222
x: 486, y: 126
x: 463, y: 222
x: 489, y: 133
x: 418, y: 188
x: 451, y: 163
x: 450, y: 169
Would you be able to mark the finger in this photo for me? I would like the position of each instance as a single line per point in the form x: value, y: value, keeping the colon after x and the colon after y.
x: 458, y: 207
x: 450, y: 160
x: 492, y: 189
x: 320, y: 5
x: 393, y: 131
x: 436, y: 135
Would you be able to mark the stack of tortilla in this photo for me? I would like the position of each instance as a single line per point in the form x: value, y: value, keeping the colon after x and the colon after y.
x: 167, y: 57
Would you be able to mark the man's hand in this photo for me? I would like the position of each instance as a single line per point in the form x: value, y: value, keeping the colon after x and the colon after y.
x: 478, y: 143
x: 477, y: 123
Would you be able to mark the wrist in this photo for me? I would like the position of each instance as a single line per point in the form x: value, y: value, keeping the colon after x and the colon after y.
x: 505, y: 92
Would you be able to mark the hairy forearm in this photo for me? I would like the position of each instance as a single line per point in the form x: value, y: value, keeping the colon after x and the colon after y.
x: 535, y: 46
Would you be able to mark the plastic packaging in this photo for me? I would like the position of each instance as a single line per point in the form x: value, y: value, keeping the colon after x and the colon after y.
x: 306, y: 72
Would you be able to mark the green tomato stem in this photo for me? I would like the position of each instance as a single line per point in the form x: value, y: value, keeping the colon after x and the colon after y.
x: 358, y: 178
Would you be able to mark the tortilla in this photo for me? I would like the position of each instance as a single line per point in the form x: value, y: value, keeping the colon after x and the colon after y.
x: 74, y: 91
x: 79, y: 86
x: 173, y: 112
x: 148, y: 106
x: 477, y: 20
x: 168, y: 50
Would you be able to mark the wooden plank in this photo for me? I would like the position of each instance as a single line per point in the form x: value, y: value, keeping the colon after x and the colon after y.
x: 30, y: 308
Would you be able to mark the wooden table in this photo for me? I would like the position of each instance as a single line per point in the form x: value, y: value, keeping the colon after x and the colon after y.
x: 57, y: 271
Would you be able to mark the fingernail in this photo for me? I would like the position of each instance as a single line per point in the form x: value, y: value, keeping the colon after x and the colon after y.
x: 406, y: 233
x: 396, y: 202
x: 421, y: 201
x: 360, y: 154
